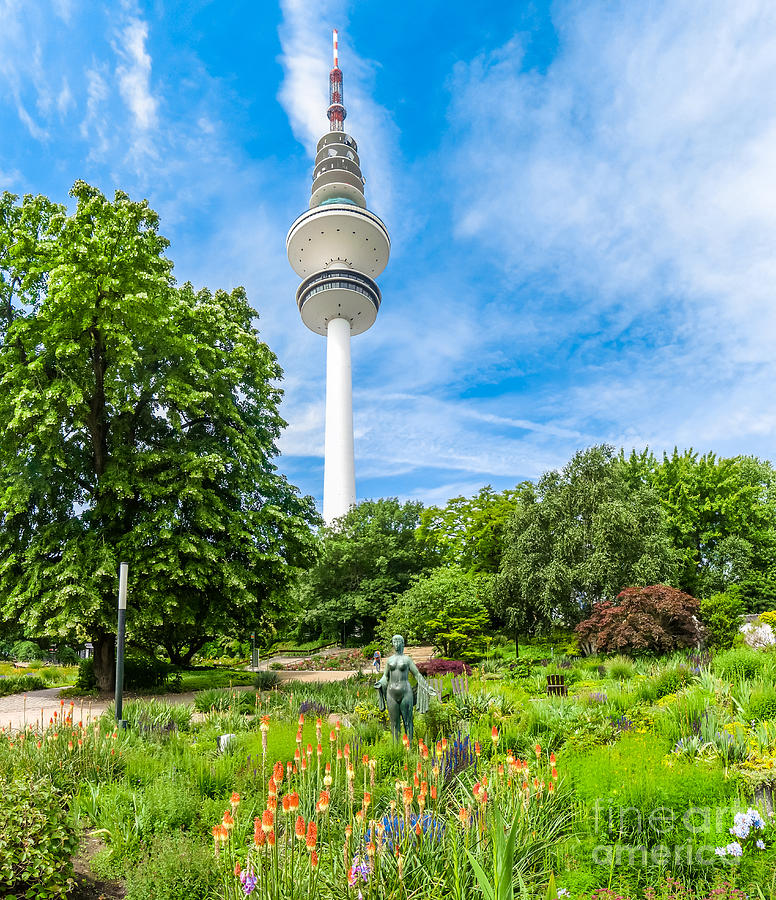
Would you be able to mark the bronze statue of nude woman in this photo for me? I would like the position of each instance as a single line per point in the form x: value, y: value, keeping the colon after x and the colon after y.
x: 394, y: 690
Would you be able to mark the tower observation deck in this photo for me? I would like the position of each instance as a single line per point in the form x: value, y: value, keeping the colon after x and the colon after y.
x: 338, y: 247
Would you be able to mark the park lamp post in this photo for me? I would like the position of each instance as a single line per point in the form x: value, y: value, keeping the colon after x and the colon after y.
x: 123, y: 569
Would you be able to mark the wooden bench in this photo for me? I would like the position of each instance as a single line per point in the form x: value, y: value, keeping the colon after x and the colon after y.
x: 556, y: 686
x: 459, y: 686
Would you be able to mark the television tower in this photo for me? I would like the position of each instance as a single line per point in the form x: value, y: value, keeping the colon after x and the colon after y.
x: 338, y: 248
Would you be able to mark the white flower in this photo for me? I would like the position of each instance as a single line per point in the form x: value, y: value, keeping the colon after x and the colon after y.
x: 720, y: 851
x: 760, y: 845
x: 734, y: 849
x: 740, y: 831
x: 564, y: 892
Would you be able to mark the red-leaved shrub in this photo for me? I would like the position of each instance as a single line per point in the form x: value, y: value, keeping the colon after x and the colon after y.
x: 444, y: 667
x: 656, y: 619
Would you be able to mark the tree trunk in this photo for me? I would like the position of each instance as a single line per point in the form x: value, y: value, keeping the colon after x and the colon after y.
x: 517, y: 644
x: 105, y: 662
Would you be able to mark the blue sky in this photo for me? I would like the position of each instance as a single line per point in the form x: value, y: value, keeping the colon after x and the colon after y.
x: 581, y: 198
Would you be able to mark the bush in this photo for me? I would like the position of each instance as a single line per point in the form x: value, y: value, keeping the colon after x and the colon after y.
x: 721, y: 614
x: 370, y: 650
x: 761, y: 705
x: 67, y: 656
x: 738, y: 663
x: 38, y: 839
x: 171, y: 803
x: 444, y: 667
x: 20, y: 684
x: 27, y: 651
x: 656, y: 619
x: 174, y: 867
x: 266, y: 681
x: 769, y: 618
x: 444, y: 608
x: 86, y: 679
x: 144, y: 672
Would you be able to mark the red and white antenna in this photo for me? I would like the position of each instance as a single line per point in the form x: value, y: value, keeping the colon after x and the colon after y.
x: 336, y: 111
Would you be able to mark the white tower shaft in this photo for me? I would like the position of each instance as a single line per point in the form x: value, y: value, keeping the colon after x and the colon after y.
x: 339, y: 470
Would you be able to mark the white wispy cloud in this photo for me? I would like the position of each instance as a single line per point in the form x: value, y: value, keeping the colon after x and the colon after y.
x: 635, y: 178
x: 134, y: 72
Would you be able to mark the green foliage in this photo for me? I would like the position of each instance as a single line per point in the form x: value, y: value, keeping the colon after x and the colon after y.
x: 444, y: 608
x: 625, y: 783
x: 579, y: 537
x: 221, y: 700
x: 266, y: 681
x: 738, y: 663
x: 154, y: 716
x: 768, y: 618
x: 138, y: 422
x: 144, y: 672
x: 761, y: 705
x: 498, y: 883
x: 38, y: 839
x: 18, y: 684
x: 367, y: 560
x: 621, y: 668
x: 86, y: 679
x: 440, y: 721
x: 27, y: 651
x: 667, y: 681
x: 173, y: 867
x: 722, y: 615
x: 67, y: 656
x: 470, y: 532
x: 721, y: 517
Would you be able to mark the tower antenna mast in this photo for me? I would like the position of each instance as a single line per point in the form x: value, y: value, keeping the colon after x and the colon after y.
x: 336, y: 111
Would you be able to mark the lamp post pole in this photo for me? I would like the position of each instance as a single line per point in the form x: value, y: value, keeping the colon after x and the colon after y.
x: 123, y: 570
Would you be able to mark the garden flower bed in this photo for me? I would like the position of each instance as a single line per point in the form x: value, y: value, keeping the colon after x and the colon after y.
x: 650, y: 781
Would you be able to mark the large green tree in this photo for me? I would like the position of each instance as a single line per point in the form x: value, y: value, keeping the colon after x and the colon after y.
x: 444, y: 608
x: 138, y: 422
x: 579, y: 537
x: 470, y: 532
x: 367, y: 559
x: 721, y: 515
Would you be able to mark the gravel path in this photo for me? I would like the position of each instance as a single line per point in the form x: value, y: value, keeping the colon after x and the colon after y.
x: 35, y: 707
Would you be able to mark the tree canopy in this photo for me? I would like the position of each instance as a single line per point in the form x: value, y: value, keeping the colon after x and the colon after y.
x: 579, y: 537
x: 444, y: 608
x: 721, y: 517
x: 366, y: 561
x: 138, y: 422
x: 470, y: 531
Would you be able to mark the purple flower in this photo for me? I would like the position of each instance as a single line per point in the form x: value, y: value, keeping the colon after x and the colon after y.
x: 248, y: 880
